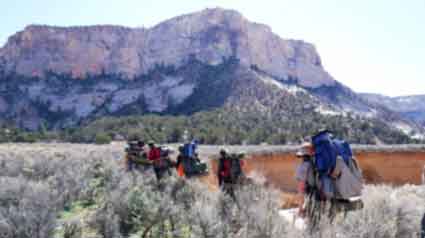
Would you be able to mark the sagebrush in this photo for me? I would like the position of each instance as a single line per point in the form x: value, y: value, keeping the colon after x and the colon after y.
x: 68, y: 190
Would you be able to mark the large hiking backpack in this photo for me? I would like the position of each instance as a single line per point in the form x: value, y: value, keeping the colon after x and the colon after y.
x: 193, y: 167
x: 235, y: 167
x: 191, y: 163
x: 328, y: 152
x: 343, y: 150
x: 325, y: 153
x: 189, y: 149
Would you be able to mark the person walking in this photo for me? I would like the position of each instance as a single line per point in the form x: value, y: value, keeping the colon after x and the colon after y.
x: 154, y: 156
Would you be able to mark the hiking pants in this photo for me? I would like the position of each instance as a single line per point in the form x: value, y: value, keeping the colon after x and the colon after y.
x: 131, y: 165
x: 228, y: 188
x: 160, y: 172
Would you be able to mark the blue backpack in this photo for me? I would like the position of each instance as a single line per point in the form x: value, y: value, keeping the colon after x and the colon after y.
x: 327, y: 150
x: 325, y: 153
x: 189, y: 149
x: 344, y: 150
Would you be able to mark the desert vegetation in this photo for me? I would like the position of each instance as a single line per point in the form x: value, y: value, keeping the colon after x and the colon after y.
x: 71, y: 190
x: 218, y: 126
x: 208, y: 114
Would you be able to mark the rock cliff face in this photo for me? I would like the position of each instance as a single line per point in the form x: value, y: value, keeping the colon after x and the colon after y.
x: 209, y: 36
x: 63, y: 76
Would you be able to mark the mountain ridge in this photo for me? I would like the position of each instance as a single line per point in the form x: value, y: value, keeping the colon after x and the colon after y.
x: 411, y: 107
x: 64, y: 77
x: 210, y: 35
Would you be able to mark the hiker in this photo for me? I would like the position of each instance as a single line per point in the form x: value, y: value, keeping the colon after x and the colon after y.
x: 229, y: 171
x: 188, y: 162
x: 165, y: 162
x: 179, y: 163
x: 304, y: 175
x: 338, y: 180
x: 223, y: 170
x: 134, y: 153
x: 223, y: 173
x: 154, y: 156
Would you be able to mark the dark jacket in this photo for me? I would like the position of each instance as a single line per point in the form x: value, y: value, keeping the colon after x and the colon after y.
x: 224, y: 170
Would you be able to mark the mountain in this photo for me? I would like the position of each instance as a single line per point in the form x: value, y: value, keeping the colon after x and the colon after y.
x: 215, y: 59
x: 411, y: 107
x: 209, y: 36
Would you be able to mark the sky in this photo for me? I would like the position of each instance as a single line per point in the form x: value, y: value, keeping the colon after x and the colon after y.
x: 375, y: 46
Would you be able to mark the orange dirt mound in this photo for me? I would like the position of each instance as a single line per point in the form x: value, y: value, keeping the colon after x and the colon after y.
x: 379, y: 167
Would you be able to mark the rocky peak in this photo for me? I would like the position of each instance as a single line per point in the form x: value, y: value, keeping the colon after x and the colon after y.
x: 210, y: 35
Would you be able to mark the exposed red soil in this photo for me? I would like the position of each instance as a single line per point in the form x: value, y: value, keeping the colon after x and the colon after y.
x: 395, y: 168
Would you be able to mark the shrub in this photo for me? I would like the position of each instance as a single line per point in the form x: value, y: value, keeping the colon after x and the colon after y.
x: 102, y: 138
x: 39, y: 182
x: 72, y: 229
x: 27, y: 209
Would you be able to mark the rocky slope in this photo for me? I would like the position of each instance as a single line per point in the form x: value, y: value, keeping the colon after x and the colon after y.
x: 63, y: 76
x: 411, y: 107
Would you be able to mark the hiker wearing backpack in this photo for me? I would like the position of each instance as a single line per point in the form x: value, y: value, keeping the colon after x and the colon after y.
x: 188, y: 162
x: 229, y: 171
x: 179, y: 163
x: 223, y: 171
x: 338, y: 177
x: 154, y: 156
x: 166, y: 163
x: 224, y: 174
x: 134, y: 153
x: 304, y: 175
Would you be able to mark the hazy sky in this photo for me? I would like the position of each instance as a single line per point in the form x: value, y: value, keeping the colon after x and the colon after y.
x: 370, y: 45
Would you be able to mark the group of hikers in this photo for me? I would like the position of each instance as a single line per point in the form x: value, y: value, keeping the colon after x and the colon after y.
x: 187, y: 164
x: 140, y: 156
x: 327, y: 175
